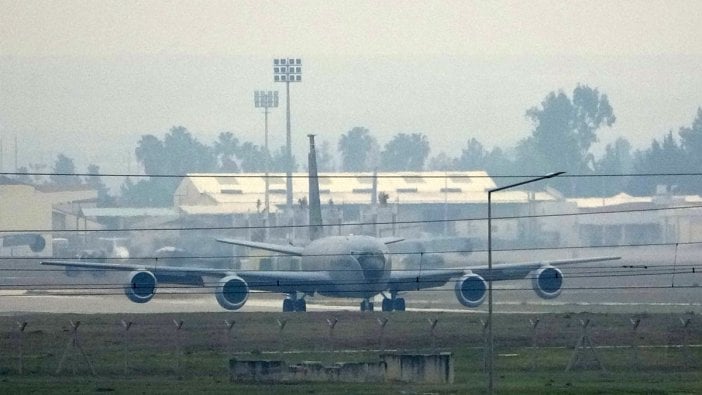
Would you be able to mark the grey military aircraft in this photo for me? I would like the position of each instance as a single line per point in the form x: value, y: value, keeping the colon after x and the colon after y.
x: 353, y: 266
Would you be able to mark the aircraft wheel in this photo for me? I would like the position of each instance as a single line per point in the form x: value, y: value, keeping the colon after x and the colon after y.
x: 300, y: 305
x: 366, y: 305
x: 288, y: 305
x: 399, y: 304
x: 387, y: 305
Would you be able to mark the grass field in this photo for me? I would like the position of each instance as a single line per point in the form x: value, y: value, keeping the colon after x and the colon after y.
x: 153, y: 356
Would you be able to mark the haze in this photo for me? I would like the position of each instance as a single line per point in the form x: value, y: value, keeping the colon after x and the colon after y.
x: 89, y: 78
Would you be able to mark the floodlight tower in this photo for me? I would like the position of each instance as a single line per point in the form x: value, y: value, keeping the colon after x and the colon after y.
x: 287, y: 70
x: 266, y: 100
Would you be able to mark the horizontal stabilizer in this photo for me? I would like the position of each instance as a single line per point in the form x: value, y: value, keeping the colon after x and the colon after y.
x: 392, y: 240
x: 287, y: 250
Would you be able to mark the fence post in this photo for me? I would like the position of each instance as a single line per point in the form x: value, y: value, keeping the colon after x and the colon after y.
x: 432, y: 332
x: 382, y: 322
x: 687, y: 356
x: 635, y: 360
x: 229, y: 351
x: 230, y: 326
x: 281, y: 327
x: 585, y: 344
x: 72, y: 345
x: 534, y: 323
x: 331, y: 323
x: 486, y: 346
x: 21, y: 326
x: 125, y: 343
x: 179, y: 353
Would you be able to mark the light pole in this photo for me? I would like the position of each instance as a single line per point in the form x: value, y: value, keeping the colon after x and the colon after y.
x: 491, y: 348
x: 287, y: 70
x: 266, y: 100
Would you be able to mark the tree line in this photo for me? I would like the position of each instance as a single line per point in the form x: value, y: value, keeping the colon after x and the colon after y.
x: 564, y: 129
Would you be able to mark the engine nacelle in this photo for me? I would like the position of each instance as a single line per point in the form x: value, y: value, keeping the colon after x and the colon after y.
x: 35, y: 242
x: 232, y: 292
x: 547, y: 282
x: 141, y: 287
x: 471, y: 290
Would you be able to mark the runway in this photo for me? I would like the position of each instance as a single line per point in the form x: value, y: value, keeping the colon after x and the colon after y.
x: 615, y: 286
x: 16, y: 302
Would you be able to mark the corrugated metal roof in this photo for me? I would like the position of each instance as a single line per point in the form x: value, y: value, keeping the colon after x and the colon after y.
x: 245, y: 192
x: 129, y: 212
x: 210, y: 210
x: 621, y: 198
x: 467, y: 181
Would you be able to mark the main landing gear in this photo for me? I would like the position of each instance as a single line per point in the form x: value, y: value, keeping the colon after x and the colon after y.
x: 293, y: 303
x: 393, y: 303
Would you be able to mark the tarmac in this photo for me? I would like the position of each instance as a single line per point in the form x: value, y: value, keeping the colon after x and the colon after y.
x: 655, y: 279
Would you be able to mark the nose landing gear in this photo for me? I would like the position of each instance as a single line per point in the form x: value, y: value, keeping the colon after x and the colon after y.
x: 366, y: 305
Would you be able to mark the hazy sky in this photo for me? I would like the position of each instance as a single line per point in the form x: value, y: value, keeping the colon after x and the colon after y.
x: 88, y: 78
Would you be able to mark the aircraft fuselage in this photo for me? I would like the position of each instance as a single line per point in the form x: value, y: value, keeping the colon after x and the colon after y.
x: 359, y: 266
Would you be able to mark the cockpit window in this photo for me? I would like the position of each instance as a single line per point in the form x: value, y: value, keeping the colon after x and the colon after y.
x: 372, y: 264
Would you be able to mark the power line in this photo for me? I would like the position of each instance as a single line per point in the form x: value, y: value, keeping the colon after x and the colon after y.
x: 355, y: 224
x: 408, y: 174
x: 419, y: 280
x: 205, y: 291
x: 429, y: 252
x: 570, y: 269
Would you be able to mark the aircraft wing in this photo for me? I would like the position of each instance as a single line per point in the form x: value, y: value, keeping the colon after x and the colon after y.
x: 152, y: 267
x: 414, y: 280
x: 514, y: 271
x: 288, y: 250
x: 272, y: 281
x: 286, y: 281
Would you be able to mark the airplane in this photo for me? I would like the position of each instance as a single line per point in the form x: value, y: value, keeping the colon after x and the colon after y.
x: 35, y: 242
x: 352, y: 266
x: 114, y: 251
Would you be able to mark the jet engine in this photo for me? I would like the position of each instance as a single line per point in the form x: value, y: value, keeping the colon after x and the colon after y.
x: 232, y: 292
x: 471, y: 290
x: 547, y: 282
x: 35, y: 242
x: 141, y: 287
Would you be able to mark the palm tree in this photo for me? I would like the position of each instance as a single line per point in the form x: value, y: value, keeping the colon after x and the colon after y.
x: 359, y: 150
x: 226, y: 149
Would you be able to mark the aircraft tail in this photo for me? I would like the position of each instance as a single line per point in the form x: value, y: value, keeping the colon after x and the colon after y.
x: 315, y: 204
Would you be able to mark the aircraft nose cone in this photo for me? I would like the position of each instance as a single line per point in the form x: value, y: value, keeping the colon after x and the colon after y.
x: 373, y: 265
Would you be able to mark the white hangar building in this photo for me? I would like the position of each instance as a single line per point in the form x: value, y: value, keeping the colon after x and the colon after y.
x: 451, y: 203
